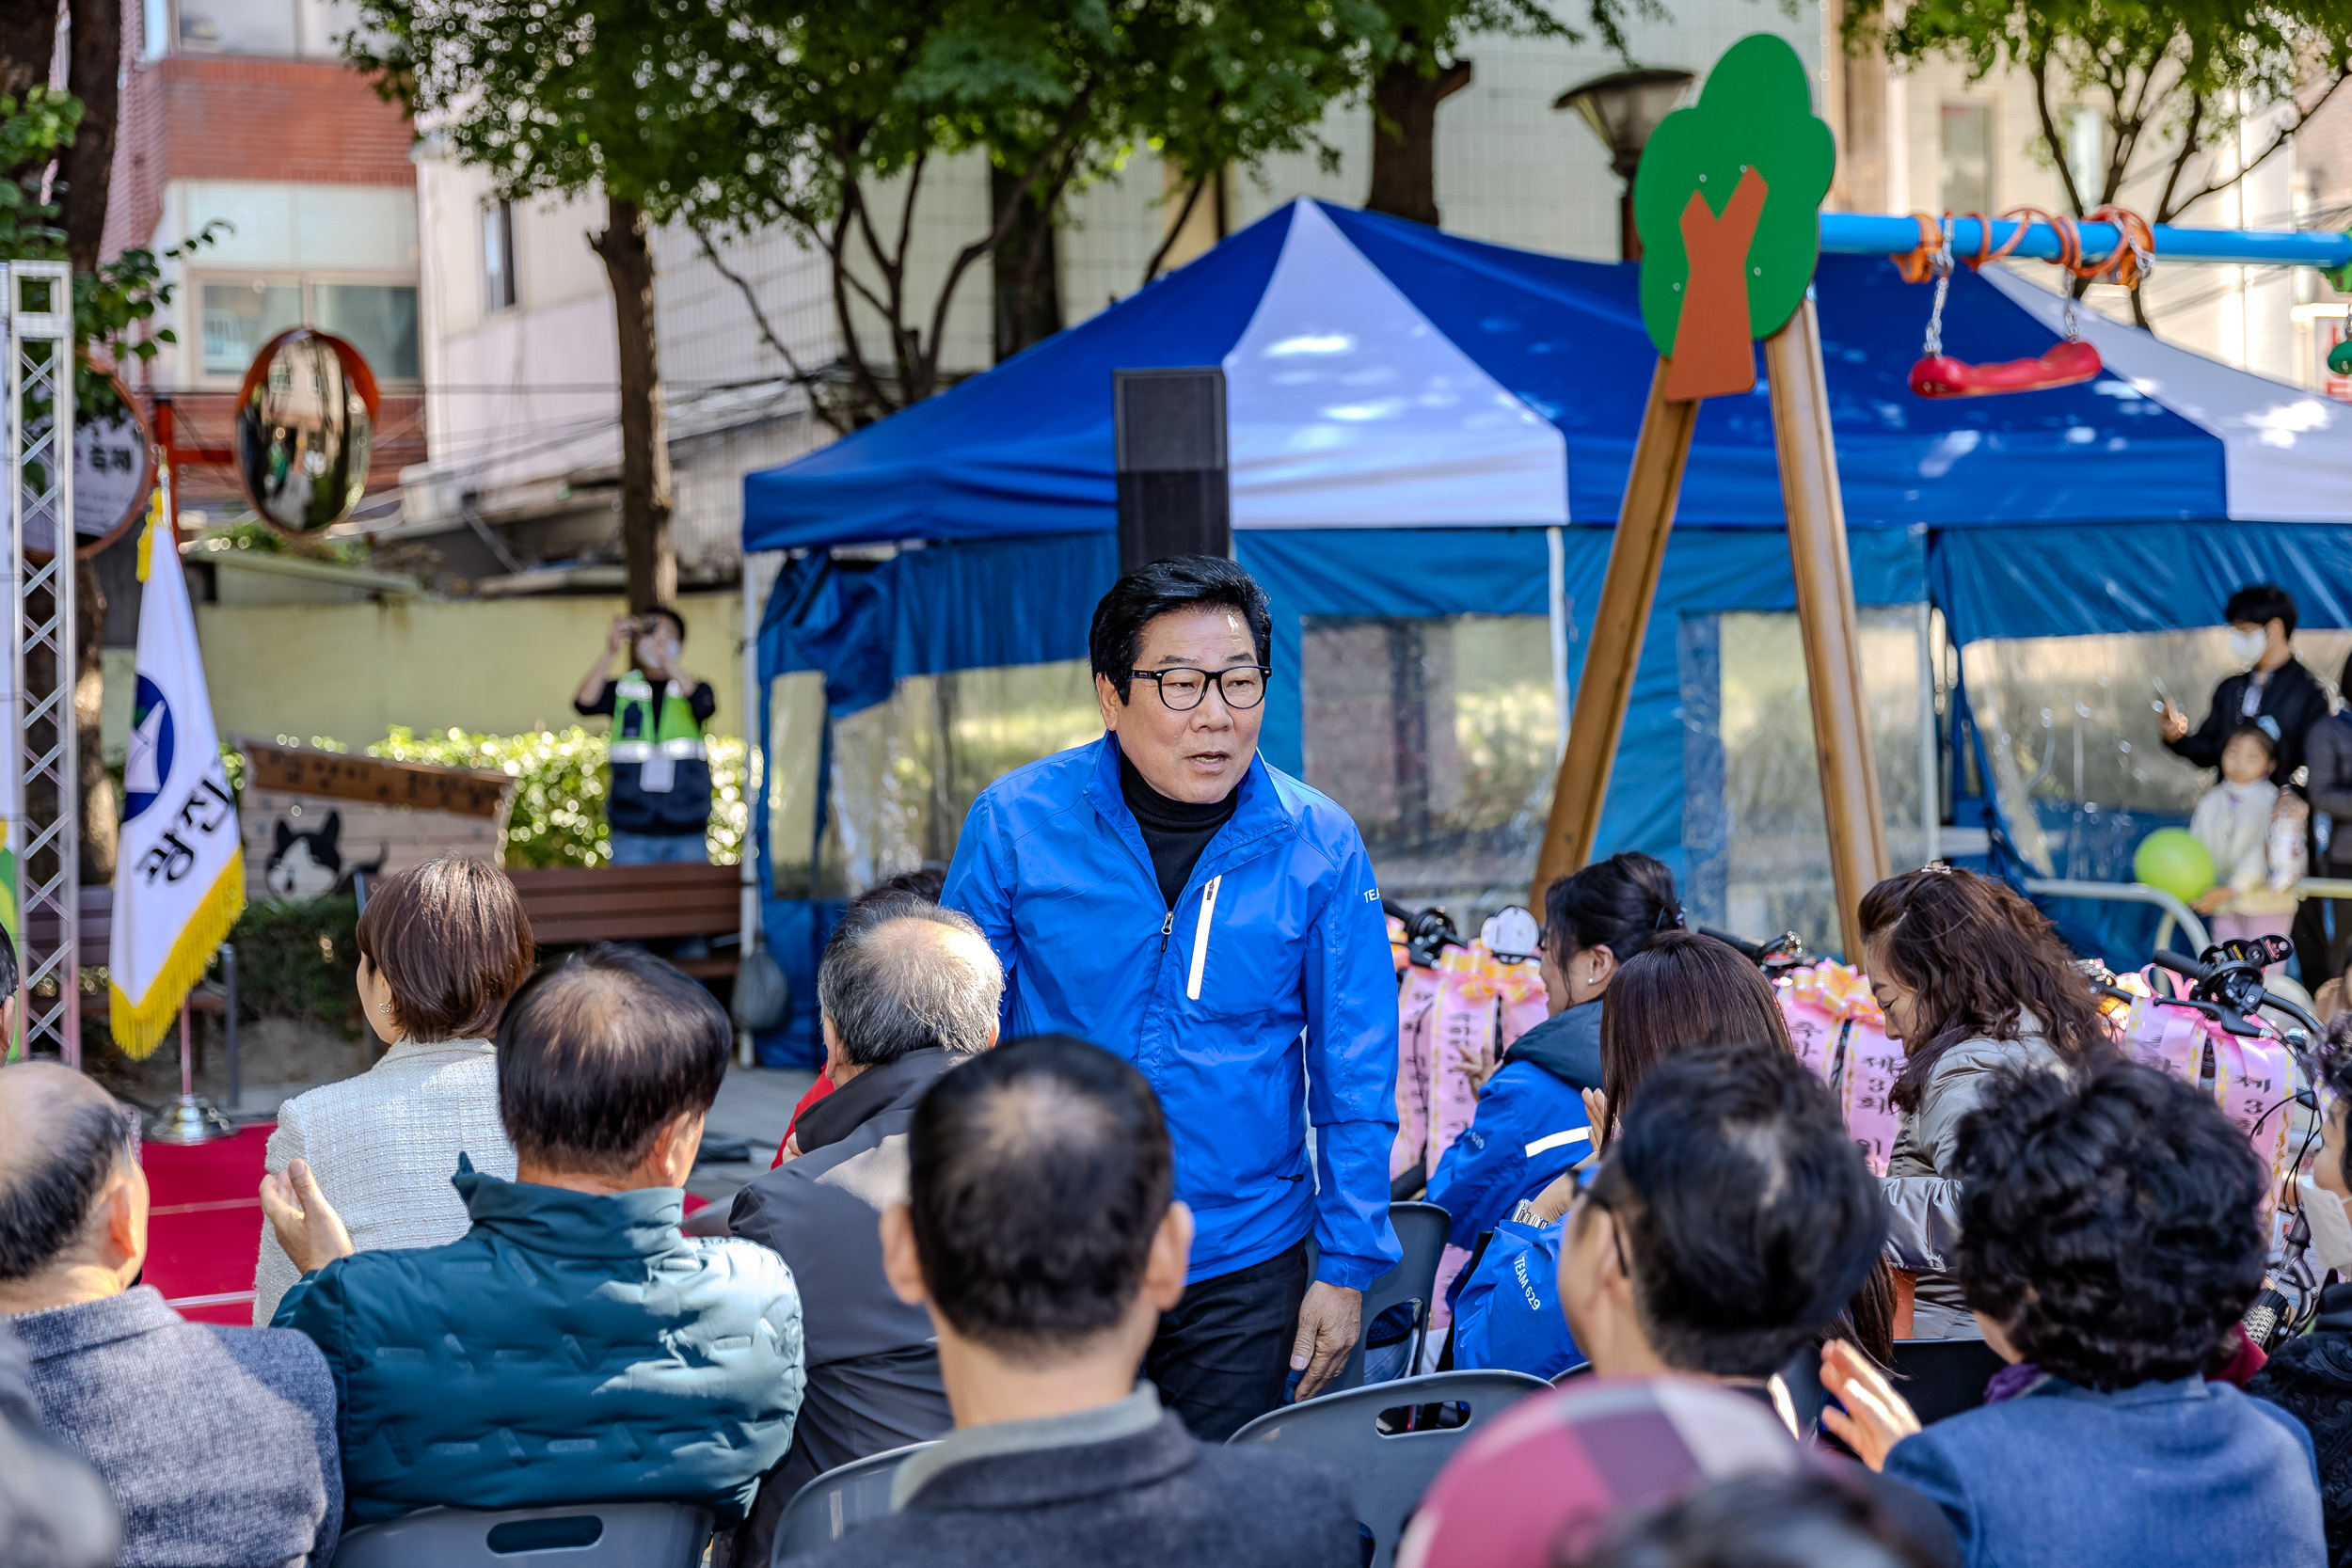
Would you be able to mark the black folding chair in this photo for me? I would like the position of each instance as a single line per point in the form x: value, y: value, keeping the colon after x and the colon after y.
x: 1401, y: 1299
x: 580, y: 1535
x: 1388, y: 1466
x: 844, y: 1497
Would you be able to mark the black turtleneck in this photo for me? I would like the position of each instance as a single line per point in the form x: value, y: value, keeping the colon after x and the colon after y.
x: 1175, y: 831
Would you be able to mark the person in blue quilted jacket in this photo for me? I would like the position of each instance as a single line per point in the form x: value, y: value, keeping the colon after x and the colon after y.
x: 573, y: 1347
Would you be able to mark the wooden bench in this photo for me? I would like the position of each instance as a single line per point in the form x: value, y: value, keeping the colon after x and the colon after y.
x: 570, y: 905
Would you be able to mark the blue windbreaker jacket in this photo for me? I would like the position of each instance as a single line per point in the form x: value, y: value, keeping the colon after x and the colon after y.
x: 1531, y: 1126
x: 1278, y: 932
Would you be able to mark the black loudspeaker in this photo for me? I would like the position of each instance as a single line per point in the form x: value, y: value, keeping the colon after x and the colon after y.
x: 1173, y: 494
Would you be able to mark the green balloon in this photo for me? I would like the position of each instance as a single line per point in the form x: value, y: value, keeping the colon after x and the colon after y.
x: 2340, y: 358
x: 2172, y: 860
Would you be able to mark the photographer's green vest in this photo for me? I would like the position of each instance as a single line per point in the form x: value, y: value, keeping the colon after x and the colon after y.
x: 660, y: 774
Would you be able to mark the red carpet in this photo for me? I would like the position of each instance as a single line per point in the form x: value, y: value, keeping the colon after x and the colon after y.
x: 204, y: 1224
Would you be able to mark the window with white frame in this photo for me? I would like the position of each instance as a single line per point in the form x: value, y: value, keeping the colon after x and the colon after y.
x: 240, y: 314
x: 312, y: 29
x: 497, y: 257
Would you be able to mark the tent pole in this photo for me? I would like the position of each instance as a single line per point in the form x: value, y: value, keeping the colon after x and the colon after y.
x: 1651, y: 487
x: 1825, y: 616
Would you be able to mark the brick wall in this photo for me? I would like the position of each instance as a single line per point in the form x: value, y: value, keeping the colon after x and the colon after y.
x: 197, y: 116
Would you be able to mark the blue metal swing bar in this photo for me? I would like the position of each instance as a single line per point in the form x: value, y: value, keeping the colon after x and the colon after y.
x: 1882, y: 234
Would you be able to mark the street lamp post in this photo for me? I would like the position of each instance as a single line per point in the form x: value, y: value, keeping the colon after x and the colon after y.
x: 1623, y: 109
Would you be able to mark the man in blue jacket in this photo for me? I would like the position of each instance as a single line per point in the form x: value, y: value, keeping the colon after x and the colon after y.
x: 1165, y: 893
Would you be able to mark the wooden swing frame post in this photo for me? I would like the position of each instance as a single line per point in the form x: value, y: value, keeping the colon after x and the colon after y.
x: 1825, y: 618
x: 1652, y: 487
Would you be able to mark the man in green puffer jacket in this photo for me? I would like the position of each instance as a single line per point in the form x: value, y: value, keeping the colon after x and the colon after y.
x: 573, y: 1347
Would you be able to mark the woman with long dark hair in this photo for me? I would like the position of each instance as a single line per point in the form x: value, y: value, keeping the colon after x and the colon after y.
x: 1532, y: 1122
x: 1973, y: 980
x: 1684, y: 991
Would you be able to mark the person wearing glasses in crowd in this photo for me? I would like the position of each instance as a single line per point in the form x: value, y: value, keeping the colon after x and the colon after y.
x: 1164, y: 892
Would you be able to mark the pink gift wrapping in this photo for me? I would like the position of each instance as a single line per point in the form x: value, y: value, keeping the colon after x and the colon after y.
x: 1416, y: 1024
x: 1464, y: 1033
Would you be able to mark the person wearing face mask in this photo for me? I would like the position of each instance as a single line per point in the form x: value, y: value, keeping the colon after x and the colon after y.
x: 2274, y: 686
x: 658, y: 805
x: 1165, y: 893
x: 2311, y: 1377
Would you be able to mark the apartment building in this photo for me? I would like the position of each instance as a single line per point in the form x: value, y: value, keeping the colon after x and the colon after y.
x: 240, y: 117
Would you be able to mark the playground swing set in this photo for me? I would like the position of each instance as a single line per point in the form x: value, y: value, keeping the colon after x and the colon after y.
x: 1728, y: 204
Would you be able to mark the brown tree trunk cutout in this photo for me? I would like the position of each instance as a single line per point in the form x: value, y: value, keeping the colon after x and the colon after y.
x: 1714, y: 355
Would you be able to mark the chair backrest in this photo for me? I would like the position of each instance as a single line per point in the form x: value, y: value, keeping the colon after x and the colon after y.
x: 1387, y: 1472
x: 580, y: 1535
x: 833, y: 1504
x: 1421, y: 1229
x: 1944, y: 1377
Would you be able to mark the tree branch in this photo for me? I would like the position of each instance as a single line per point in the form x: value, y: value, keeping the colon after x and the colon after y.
x: 1012, y: 207
x: 2278, y: 142
x: 2166, y: 209
x: 2039, y: 68
x: 1183, y: 215
x: 767, y: 332
x: 850, y: 349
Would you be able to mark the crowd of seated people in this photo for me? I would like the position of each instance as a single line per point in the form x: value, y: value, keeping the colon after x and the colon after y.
x: 971, y: 1244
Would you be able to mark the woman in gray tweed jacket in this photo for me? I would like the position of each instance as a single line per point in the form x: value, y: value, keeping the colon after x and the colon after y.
x: 441, y: 948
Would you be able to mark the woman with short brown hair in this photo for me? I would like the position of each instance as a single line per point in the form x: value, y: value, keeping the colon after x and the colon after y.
x: 442, y: 945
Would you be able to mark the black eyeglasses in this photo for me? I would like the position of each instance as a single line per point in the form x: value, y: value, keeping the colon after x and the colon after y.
x: 1242, y: 686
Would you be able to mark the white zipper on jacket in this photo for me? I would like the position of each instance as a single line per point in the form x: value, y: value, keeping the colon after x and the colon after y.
x: 1201, y: 938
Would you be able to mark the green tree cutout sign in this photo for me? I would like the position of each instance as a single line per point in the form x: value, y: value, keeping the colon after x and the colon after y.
x: 1727, y: 200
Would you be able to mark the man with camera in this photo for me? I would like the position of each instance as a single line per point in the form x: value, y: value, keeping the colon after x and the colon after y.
x: 658, y: 802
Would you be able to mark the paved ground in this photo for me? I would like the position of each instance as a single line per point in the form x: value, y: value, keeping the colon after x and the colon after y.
x: 755, y: 1105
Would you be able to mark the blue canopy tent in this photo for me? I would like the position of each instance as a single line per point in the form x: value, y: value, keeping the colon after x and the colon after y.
x: 1424, y: 426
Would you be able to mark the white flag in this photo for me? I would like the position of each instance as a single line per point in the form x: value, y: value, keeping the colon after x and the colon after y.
x: 179, y: 874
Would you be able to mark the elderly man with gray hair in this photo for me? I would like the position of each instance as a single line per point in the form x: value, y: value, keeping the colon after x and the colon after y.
x: 907, y: 991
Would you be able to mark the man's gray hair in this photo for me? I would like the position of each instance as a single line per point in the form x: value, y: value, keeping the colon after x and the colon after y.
x: 891, y: 983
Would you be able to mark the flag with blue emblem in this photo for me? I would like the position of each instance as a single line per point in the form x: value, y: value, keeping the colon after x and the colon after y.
x: 179, y: 874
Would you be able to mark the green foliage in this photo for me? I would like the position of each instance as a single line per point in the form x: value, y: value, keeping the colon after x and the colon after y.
x: 251, y: 534
x: 111, y: 306
x: 31, y: 133
x: 558, y: 814
x: 737, y: 113
x: 2171, y: 77
x: 298, y: 958
x: 1756, y: 111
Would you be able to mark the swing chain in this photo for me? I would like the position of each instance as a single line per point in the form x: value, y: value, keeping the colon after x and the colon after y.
x: 1941, y: 264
